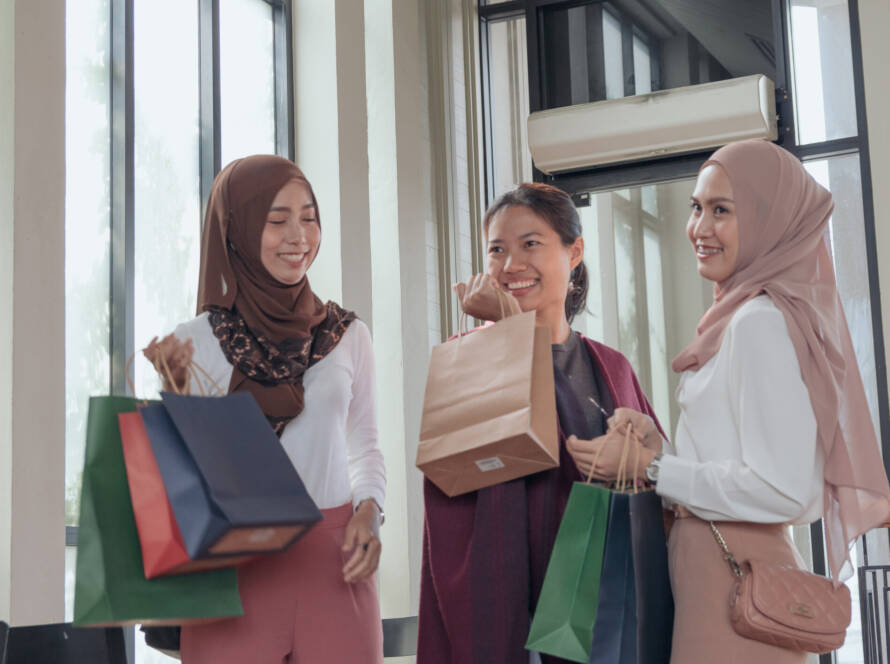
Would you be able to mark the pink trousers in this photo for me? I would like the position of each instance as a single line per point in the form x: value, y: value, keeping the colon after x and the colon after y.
x: 702, y: 584
x: 297, y: 609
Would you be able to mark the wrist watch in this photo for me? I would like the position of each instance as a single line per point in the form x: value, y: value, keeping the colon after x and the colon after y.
x: 653, y: 468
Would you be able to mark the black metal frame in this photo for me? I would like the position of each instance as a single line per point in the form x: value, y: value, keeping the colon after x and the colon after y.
x: 686, y: 166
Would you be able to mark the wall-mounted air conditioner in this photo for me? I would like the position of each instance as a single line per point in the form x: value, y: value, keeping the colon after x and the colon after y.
x: 660, y: 123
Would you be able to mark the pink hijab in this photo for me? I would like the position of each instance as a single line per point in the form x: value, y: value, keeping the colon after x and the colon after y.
x: 783, y: 215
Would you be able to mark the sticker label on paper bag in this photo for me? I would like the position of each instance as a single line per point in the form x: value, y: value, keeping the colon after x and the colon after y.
x: 492, y: 463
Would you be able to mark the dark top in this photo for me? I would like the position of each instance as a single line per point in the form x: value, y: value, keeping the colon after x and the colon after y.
x: 575, y: 362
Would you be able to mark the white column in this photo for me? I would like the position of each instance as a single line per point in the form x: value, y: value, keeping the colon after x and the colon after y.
x: 32, y: 437
x: 332, y: 144
x: 400, y: 206
x: 7, y: 159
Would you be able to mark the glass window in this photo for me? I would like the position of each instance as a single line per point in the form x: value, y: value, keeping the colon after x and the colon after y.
x: 824, y: 99
x: 613, y: 59
x: 508, y: 97
x: 642, y: 67
x: 659, y: 361
x: 167, y: 197
x: 87, y: 239
x: 594, y: 51
x: 625, y: 277
x: 247, y: 82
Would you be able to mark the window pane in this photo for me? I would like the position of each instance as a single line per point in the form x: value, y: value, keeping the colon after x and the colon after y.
x: 824, y: 99
x: 591, y: 321
x: 87, y: 229
x: 625, y: 277
x: 658, y: 357
x: 247, y: 78
x: 508, y: 103
x: 167, y: 199
x: 642, y: 67
x: 613, y: 60
x: 594, y: 51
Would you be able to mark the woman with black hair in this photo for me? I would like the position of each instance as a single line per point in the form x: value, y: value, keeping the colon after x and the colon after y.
x: 485, y: 553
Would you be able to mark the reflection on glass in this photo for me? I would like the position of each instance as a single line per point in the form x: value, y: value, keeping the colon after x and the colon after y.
x: 642, y: 67
x: 612, y: 56
x: 625, y: 277
x: 658, y: 357
x: 167, y: 203
x: 247, y: 78
x: 87, y: 229
x: 824, y: 100
x: 508, y: 72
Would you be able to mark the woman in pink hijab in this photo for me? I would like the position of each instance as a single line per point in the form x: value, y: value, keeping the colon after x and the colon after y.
x: 774, y: 428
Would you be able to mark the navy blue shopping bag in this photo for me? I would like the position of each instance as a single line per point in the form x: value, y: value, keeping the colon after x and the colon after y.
x: 635, y: 613
x: 232, y: 487
x: 652, y: 583
x: 615, y: 629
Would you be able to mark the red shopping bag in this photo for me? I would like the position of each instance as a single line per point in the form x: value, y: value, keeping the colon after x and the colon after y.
x: 163, y: 550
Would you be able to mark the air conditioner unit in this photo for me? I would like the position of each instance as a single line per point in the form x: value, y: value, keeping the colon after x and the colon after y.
x: 696, y: 117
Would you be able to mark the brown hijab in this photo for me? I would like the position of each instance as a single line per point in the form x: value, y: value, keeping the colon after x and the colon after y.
x: 271, y: 332
x: 782, y: 216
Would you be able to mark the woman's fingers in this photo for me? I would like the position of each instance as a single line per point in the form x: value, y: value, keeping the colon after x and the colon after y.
x: 364, y: 562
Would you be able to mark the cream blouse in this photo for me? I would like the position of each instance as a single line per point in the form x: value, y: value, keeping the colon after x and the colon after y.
x: 746, y: 447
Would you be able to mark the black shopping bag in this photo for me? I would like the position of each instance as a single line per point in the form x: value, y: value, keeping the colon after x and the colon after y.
x: 232, y: 487
x: 635, y: 613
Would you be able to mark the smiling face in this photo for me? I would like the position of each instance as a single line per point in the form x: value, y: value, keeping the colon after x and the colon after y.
x: 528, y: 259
x: 291, y: 235
x: 713, y: 226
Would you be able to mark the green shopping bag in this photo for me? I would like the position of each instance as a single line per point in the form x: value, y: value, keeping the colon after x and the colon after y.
x: 566, y: 611
x: 110, y: 584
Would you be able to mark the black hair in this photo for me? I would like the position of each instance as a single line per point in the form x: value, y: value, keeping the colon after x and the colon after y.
x: 556, y: 207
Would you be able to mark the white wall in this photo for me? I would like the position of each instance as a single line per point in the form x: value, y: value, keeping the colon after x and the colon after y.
x: 33, y: 476
x: 7, y: 120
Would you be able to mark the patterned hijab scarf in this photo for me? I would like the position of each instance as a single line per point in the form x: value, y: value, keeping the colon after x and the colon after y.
x: 269, y: 331
x: 782, y: 218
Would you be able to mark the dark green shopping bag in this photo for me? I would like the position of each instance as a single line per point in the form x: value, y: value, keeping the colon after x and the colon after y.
x: 110, y: 584
x: 566, y: 611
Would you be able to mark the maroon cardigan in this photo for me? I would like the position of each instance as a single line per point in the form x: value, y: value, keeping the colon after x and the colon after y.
x: 485, y: 553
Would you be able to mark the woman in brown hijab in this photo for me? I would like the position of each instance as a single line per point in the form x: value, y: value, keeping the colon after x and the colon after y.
x: 774, y: 426
x: 261, y: 329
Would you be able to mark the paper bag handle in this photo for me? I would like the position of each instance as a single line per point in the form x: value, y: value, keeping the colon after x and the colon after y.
x: 164, y: 369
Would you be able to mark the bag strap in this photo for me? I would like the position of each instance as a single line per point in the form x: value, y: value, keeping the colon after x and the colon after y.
x: 727, y: 554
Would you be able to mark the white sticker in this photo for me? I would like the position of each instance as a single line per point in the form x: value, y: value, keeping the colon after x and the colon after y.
x: 261, y: 535
x: 492, y: 463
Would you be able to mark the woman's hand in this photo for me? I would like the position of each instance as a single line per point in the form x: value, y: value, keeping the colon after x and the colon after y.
x: 643, y: 427
x: 177, y: 355
x: 482, y: 297
x: 606, y: 451
x: 362, y: 535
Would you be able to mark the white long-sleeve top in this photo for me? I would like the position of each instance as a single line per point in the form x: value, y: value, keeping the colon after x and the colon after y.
x: 333, y: 442
x: 746, y: 447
